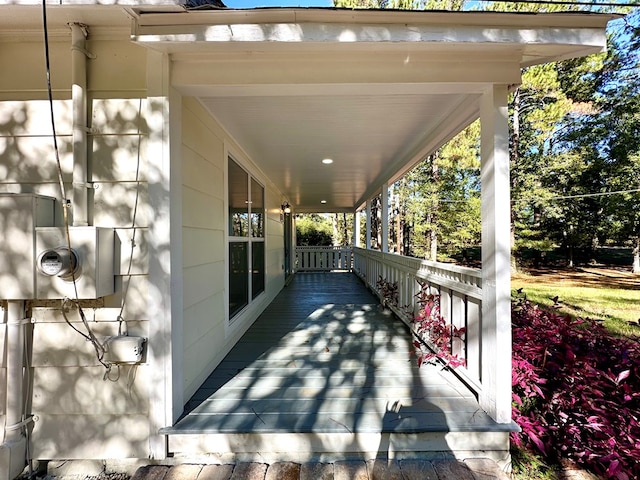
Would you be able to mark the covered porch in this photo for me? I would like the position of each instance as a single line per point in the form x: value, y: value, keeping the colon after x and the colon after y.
x: 327, y: 373
x: 326, y: 109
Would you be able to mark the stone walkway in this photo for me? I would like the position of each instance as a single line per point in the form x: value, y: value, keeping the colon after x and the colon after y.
x: 472, y: 469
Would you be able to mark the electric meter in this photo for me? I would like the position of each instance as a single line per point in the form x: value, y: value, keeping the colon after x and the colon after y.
x: 60, y: 262
x: 85, y: 271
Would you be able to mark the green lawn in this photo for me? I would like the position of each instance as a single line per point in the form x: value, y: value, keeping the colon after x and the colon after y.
x: 599, y: 297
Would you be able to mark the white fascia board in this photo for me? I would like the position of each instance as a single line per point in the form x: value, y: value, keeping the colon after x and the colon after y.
x: 170, y: 36
x: 533, y: 44
x: 149, y: 16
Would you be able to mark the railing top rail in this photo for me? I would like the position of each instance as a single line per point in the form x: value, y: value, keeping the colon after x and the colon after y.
x: 321, y: 248
x: 418, y: 263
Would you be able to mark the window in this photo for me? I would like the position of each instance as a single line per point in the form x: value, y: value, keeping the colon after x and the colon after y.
x: 246, y: 238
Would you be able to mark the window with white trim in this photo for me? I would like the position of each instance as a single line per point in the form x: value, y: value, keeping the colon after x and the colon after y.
x: 246, y: 238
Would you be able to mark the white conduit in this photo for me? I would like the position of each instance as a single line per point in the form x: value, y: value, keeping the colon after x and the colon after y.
x: 79, y: 56
x: 15, y: 374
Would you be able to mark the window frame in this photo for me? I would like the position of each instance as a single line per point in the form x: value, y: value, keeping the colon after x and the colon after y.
x: 249, y: 239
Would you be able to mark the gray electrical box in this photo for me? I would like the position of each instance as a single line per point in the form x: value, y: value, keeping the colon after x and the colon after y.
x: 90, y: 262
x: 20, y: 215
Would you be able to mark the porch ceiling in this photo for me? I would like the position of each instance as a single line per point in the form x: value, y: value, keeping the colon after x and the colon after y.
x: 368, y: 136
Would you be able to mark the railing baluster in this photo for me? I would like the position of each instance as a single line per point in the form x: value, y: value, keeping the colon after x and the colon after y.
x: 460, y: 296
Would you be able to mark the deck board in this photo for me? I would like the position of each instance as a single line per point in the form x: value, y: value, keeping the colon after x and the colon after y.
x: 325, y: 357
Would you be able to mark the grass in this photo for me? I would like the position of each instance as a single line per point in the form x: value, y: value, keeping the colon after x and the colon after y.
x: 528, y: 466
x: 607, y: 295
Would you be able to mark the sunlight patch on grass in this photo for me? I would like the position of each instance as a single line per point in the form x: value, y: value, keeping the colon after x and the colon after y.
x: 615, y: 307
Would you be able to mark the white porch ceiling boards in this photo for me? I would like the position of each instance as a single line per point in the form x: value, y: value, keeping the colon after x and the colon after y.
x: 361, y: 133
x: 376, y: 91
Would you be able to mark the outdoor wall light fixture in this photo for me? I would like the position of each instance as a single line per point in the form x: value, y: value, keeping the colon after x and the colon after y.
x: 327, y: 161
x: 286, y: 208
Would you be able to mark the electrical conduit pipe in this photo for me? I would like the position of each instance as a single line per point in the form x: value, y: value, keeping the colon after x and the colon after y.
x: 13, y: 448
x: 79, y: 56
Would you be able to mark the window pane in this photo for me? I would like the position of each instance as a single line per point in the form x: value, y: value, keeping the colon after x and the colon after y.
x: 238, y: 277
x: 257, y: 268
x: 257, y: 209
x: 238, y: 201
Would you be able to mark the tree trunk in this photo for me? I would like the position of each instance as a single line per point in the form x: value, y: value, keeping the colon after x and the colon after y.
x: 427, y: 236
x: 406, y: 238
x: 345, y: 230
x: 433, y: 233
x: 398, y: 226
x: 433, y: 241
x: 636, y: 256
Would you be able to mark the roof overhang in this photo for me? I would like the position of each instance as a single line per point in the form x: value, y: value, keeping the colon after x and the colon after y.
x: 375, y: 90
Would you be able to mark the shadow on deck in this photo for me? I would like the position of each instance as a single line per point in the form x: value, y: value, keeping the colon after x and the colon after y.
x: 326, y: 373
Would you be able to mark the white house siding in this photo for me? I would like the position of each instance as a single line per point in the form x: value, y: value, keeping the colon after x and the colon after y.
x: 78, y: 413
x: 207, y: 336
x: 203, y: 205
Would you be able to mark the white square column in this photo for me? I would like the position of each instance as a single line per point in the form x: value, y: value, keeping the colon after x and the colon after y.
x: 496, y: 346
x: 356, y: 229
x: 165, y: 307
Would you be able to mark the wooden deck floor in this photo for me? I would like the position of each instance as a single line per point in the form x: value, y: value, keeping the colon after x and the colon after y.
x: 324, y: 359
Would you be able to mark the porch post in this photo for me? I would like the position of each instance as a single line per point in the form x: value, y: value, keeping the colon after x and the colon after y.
x: 367, y: 239
x: 164, y: 348
x: 356, y: 228
x: 384, y: 199
x: 496, y: 249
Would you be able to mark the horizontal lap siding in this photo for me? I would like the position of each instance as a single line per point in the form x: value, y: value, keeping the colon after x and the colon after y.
x: 207, y: 338
x: 204, y: 248
x: 275, y: 243
x: 102, y: 436
x: 79, y: 414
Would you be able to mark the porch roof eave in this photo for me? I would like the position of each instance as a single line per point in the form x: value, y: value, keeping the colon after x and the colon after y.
x: 323, y: 80
x: 537, y: 38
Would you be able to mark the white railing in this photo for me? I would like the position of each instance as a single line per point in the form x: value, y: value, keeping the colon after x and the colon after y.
x: 459, y: 288
x: 323, y: 259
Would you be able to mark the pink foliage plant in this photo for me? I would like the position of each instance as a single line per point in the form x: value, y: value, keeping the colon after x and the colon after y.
x: 435, y: 334
x: 576, y: 391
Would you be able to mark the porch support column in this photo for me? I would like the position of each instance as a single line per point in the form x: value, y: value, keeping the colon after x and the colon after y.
x: 367, y: 240
x: 164, y: 348
x: 356, y: 229
x: 496, y: 250
x: 384, y: 200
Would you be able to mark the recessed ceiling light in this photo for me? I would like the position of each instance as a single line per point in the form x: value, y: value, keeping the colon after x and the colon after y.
x: 327, y: 161
x: 323, y: 201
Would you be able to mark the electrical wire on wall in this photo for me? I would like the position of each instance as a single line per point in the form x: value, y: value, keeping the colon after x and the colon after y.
x: 66, y: 303
x: 125, y: 287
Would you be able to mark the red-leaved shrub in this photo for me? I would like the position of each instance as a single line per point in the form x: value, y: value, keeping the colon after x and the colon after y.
x: 576, y: 391
x: 434, y: 331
